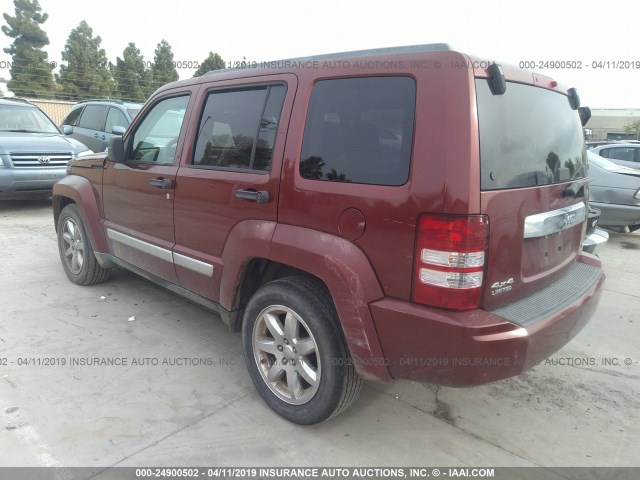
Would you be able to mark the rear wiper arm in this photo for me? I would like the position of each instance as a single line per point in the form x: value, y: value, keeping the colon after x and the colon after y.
x: 575, y: 189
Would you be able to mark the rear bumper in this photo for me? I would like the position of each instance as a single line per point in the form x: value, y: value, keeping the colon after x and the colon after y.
x: 475, y: 347
x: 595, y: 241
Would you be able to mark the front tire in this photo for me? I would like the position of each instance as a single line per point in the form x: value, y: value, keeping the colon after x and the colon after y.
x: 295, y: 352
x: 76, y: 253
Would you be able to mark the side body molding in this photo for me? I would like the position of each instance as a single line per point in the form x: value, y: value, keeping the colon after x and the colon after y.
x: 82, y: 192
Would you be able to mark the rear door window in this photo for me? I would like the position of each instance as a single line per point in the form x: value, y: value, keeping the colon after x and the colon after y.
x: 528, y: 136
x: 359, y: 130
x: 238, y: 128
x: 93, y: 117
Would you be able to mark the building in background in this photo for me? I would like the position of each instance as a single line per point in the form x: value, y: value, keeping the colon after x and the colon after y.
x: 609, y: 123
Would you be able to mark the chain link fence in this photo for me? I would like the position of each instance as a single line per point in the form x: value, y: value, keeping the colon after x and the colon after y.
x: 56, y: 109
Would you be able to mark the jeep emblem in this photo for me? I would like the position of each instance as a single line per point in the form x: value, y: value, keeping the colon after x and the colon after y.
x: 569, y: 219
x: 44, y: 159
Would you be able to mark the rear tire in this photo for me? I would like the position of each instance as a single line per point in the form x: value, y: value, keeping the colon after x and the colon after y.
x: 76, y: 253
x: 295, y: 351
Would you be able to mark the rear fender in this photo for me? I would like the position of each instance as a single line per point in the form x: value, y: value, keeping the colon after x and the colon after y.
x: 348, y: 275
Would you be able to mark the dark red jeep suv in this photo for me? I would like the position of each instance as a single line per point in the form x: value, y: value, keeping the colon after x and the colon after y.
x: 408, y: 213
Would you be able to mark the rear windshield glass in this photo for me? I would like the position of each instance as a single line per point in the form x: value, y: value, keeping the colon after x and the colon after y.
x: 529, y: 136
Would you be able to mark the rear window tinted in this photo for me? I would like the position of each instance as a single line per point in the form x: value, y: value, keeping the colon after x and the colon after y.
x: 359, y: 130
x: 529, y: 136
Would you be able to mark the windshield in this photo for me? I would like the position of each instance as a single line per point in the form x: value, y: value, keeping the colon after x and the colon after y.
x: 528, y: 136
x: 25, y: 119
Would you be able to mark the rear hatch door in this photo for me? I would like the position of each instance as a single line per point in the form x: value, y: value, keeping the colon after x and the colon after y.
x: 533, y: 173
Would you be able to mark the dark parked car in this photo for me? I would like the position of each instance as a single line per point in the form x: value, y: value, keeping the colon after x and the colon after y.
x: 625, y: 154
x: 615, y: 190
x: 321, y: 208
x: 93, y: 122
x: 33, y: 153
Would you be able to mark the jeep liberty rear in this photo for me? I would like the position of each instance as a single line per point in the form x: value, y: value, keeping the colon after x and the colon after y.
x: 404, y: 213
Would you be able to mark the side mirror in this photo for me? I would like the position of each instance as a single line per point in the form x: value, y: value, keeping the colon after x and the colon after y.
x: 118, y: 130
x: 67, y: 129
x: 115, y: 152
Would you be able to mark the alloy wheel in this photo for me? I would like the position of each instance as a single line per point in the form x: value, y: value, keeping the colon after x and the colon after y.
x: 286, y: 354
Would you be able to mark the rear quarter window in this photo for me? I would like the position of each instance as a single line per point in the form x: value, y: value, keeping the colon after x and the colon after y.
x: 72, y: 116
x: 359, y: 130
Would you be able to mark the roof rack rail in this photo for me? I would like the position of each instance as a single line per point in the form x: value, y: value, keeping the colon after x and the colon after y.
x: 16, y: 99
x: 427, y: 47
x: 113, y: 100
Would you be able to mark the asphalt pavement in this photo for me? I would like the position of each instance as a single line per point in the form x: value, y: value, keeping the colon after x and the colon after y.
x: 126, y: 374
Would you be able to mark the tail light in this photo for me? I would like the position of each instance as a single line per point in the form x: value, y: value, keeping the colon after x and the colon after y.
x: 450, y: 257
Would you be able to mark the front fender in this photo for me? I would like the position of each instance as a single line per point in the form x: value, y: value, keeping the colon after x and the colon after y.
x: 82, y: 192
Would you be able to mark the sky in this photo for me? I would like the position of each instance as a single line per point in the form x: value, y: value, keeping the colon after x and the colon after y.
x: 581, y: 33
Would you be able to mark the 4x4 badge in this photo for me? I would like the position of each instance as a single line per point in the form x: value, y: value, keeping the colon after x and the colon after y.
x: 501, y: 287
x: 44, y: 159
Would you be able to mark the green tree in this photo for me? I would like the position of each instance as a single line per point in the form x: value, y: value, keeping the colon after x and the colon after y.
x: 30, y: 69
x: 163, y: 70
x: 130, y: 75
x: 634, y: 128
x: 212, y: 62
x: 86, y: 73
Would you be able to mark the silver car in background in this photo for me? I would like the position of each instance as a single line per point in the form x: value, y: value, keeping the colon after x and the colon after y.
x: 34, y: 154
x: 615, y: 190
x: 626, y: 154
